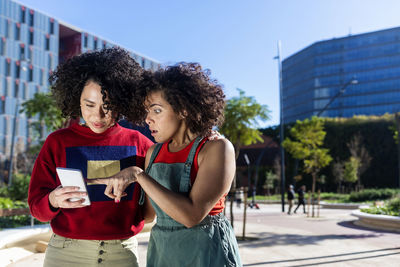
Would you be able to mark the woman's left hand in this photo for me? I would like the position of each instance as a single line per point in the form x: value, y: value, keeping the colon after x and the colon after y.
x: 117, y: 183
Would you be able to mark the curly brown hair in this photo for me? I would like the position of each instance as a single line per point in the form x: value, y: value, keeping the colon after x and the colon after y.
x: 189, y: 90
x: 112, y: 68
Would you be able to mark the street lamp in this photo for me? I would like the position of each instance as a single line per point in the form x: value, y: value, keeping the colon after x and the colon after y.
x: 281, y: 133
x: 10, y: 167
x: 353, y: 80
x: 341, y: 91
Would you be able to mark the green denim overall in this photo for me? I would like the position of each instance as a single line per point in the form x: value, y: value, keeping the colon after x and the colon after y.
x: 210, y: 243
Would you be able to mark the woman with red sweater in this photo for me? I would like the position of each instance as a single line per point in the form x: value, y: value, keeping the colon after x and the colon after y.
x: 187, y: 177
x: 90, y: 86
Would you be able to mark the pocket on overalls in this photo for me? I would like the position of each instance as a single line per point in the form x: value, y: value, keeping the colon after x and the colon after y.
x: 59, y: 241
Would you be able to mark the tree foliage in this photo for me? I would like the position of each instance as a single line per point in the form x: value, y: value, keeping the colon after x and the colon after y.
x: 350, y: 174
x: 242, y: 114
x: 308, y: 137
x: 306, y: 144
x: 43, y: 106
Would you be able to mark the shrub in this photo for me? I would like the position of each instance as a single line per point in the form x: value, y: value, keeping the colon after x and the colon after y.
x: 373, y: 194
x: 19, y: 188
x: 394, y: 204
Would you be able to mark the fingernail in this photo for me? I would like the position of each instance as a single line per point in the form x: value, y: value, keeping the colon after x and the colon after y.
x: 117, y: 201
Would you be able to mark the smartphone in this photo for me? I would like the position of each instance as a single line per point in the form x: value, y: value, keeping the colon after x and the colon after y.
x: 73, y: 177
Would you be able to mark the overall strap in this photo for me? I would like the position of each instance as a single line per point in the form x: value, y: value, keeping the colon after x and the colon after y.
x: 184, y: 185
x: 152, y: 158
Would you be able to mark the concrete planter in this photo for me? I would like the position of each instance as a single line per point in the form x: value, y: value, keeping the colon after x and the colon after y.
x: 346, y: 206
x: 381, y: 222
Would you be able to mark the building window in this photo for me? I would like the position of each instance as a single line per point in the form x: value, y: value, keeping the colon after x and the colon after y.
x: 16, y: 89
x: 8, y: 87
x: 95, y: 44
x: 85, y: 41
x: 31, y: 18
x: 41, y: 76
x: 23, y: 14
x: 8, y: 67
x: 17, y: 31
x: 22, y: 52
x: 51, y: 26
x: 3, y: 46
x: 30, y: 73
x: 50, y: 61
x: 17, y: 69
x: 47, y: 45
x: 7, y: 33
x: 143, y: 62
x: 23, y: 91
x: 30, y: 38
x: 3, y: 104
x: 30, y: 57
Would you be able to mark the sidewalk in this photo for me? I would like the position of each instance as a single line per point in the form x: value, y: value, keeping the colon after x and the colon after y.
x: 278, y: 239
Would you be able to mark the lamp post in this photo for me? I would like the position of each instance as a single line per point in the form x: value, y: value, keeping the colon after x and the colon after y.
x: 281, y: 133
x: 246, y: 158
x: 353, y: 80
x: 10, y: 167
x: 341, y: 91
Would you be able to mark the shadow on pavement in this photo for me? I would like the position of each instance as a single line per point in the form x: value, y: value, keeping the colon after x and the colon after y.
x: 350, y: 224
x: 389, y: 252
x: 266, y: 239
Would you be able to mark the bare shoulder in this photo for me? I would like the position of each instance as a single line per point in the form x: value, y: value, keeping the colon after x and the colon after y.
x: 217, y: 147
x: 150, y: 150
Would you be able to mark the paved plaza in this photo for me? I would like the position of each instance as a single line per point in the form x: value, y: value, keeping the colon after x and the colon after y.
x: 274, y: 238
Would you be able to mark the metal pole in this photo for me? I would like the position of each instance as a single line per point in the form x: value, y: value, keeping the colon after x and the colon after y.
x: 281, y: 133
x: 13, y: 141
x: 341, y: 91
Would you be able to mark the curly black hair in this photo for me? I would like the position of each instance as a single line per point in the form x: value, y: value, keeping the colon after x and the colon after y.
x: 112, y: 68
x: 189, y: 90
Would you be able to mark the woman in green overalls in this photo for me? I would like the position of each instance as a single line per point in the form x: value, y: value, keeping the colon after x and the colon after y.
x: 187, y: 176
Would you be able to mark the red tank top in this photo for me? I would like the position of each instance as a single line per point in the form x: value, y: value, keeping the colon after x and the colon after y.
x: 165, y: 156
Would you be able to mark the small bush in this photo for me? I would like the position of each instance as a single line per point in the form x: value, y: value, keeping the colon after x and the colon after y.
x: 7, y: 203
x: 394, y: 204
x: 373, y: 194
x: 19, y: 188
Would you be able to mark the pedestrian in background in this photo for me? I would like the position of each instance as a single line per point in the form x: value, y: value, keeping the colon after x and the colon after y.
x: 300, y: 196
x: 290, y: 196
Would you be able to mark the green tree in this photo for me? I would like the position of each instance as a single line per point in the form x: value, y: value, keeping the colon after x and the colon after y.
x: 240, y: 126
x: 350, y: 173
x: 242, y: 114
x: 359, y: 152
x: 43, y: 105
x: 306, y: 144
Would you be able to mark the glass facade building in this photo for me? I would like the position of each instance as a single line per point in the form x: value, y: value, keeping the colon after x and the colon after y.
x: 316, y: 79
x: 32, y: 44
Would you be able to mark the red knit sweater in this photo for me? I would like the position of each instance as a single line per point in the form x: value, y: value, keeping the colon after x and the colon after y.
x: 97, y: 156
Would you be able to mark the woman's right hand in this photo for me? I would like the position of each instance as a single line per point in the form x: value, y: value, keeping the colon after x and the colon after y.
x: 60, y: 197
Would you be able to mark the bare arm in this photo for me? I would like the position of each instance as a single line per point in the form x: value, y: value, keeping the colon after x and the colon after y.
x: 214, y: 177
x: 149, y: 213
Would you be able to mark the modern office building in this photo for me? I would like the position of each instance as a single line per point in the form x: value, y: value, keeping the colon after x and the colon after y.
x: 317, y: 79
x: 32, y: 44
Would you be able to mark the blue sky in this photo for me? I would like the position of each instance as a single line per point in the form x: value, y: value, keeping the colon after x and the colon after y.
x: 235, y: 39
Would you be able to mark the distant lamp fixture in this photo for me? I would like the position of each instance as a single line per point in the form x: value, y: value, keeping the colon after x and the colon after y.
x: 341, y: 91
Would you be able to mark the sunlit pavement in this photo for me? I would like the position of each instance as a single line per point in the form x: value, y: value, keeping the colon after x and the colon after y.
x: 274, y: 238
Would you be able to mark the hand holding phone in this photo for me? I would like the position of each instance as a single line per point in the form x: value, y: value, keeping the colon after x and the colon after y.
x: 73, y: 177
